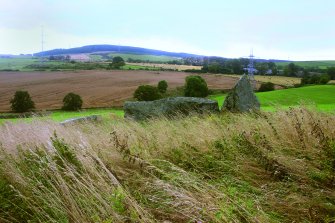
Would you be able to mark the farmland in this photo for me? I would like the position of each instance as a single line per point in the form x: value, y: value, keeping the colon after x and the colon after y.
x: 166, y: 66
x: 89, y: 62
x: 151, y: 58
x: 279, y: 80
x: 97, y: 88
x: 126, y: 56
x: 321, y: 64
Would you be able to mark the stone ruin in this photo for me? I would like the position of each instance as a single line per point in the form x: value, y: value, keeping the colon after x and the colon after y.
x: 169, y: 107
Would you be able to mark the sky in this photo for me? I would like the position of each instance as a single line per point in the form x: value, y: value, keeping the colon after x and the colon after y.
x: 274, y: 29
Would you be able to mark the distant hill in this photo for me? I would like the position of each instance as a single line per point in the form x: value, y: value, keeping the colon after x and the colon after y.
x: 123, y: 50
x: 114, y: 48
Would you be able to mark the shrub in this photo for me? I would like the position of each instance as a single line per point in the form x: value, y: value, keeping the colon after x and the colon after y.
x: 72, y: 102
x: 268, y: 86
x: 324, y: 79
x: 162, y: 86
x: 146, y: 93
x: 195, y: 86
x: 22, y: 102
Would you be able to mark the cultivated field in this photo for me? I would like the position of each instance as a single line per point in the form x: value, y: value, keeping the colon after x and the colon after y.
x: 97, y: 88
x: 167, y: 66
x: 279, y: 80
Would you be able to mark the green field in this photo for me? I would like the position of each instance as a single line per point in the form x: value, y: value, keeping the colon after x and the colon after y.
x: 95, y: 57
x: 151, y: 58
x: 322, y: 96
x: 322, y: 64
x: 31, y: 64
x: 59, y: 115
x: 16, y: 63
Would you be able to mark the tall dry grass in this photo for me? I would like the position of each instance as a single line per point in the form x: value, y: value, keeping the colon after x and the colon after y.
x: 266, y: 167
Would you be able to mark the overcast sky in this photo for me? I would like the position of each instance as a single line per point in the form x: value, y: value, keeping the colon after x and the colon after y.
x: 275, y: 29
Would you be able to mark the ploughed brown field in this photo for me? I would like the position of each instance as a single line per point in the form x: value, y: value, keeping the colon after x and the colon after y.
x: 97, y: 88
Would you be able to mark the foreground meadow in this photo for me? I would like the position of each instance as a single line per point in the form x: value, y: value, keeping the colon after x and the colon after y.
x: 265, y: 167
x: 319, y: 96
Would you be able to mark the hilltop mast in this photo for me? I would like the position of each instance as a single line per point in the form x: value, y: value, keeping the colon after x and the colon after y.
x: 42, y: 43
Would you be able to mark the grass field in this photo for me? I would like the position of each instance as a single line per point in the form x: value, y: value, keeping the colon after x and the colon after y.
x: 59, y: 115
x: 322, y: 96
x: 322, y: 64
x: 152, y: 58
x: 62, y: 115
x: 16, y: 63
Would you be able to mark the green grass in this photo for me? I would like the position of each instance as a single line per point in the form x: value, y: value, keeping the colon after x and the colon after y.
x: 95, y: 57
x: 151, y: 58
x: 64, y: 115
x: 59, y: 115
x: 322, y: 96
x: 16, y: 63
x: 322, y: 64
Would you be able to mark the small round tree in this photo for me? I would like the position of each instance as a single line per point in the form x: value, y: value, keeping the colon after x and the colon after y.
x: 22, y: 102
x: 146, y: 93
x: 72, y: 102
x: 268, y: 86
x: 162, y: 86
x: 195, y: 86
x: 117, y: 63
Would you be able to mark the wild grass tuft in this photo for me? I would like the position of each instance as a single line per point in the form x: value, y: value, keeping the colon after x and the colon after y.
x: 265, y: 167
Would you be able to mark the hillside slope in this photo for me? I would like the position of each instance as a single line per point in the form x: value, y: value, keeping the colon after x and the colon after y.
x: 114, y: 48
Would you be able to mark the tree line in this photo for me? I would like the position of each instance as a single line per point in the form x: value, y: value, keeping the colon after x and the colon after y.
x: 238, y: 66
